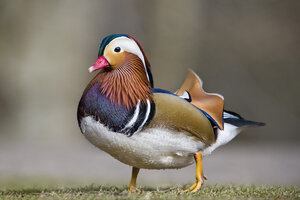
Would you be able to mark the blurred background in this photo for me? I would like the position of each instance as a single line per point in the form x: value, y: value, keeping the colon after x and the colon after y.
x: 248, y: 51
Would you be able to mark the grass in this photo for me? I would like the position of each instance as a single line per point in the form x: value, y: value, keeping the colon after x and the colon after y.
x: 208, y: 192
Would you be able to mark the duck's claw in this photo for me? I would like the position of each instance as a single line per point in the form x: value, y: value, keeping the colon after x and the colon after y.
x: 195, y: 187
x: 134, y: 189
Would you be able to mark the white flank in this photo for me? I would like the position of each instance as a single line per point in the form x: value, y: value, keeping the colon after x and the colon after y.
x: 224, y: 137
x: 156, y: 148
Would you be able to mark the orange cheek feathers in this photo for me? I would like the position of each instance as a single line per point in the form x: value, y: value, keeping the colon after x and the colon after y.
x: 115, y: 59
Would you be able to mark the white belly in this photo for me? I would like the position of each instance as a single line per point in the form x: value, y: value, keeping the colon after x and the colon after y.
x: 155, y: 148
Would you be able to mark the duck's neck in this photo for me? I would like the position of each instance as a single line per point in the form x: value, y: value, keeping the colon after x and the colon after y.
x: 127, y: 84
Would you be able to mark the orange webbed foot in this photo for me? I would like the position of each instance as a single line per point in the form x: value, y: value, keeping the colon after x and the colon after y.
x: 199, y: 174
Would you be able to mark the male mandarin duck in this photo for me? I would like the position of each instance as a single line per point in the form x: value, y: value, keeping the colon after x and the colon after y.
x: 122, y: 114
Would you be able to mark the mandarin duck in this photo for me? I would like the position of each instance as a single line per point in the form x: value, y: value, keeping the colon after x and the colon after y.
x: 121, y: 113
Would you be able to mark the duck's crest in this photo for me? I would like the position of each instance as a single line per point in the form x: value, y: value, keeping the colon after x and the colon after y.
x: 107, y: 40
x: 211, y: 103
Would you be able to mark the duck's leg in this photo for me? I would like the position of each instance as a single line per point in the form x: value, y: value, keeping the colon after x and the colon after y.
x: 132, y: 185
x: 199, y: 174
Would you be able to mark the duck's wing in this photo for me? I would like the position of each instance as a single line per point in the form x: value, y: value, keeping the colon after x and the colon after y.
x: 178, y: 115
x: 211, y: 103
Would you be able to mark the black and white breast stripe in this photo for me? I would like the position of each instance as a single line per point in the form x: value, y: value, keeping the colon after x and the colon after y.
x: 142, y: 116
x: 134, y: 117
x: 115, y: 117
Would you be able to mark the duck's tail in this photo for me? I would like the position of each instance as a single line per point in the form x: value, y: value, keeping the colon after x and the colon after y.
x: 233, y: 125
x: 238, y: 121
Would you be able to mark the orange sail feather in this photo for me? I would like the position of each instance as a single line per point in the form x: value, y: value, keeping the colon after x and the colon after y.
x: 211, y: 103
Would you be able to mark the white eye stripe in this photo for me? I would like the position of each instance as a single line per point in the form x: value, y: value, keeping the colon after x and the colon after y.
x: 129, y: 45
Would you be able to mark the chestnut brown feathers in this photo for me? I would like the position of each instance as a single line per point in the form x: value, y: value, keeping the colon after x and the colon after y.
x: 127, y: 83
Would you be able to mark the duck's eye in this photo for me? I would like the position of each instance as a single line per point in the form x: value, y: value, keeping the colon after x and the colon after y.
x: 117, y: 49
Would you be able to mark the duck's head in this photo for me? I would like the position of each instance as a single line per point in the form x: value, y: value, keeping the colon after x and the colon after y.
x: 125, y: 77
x: 122, y: 52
